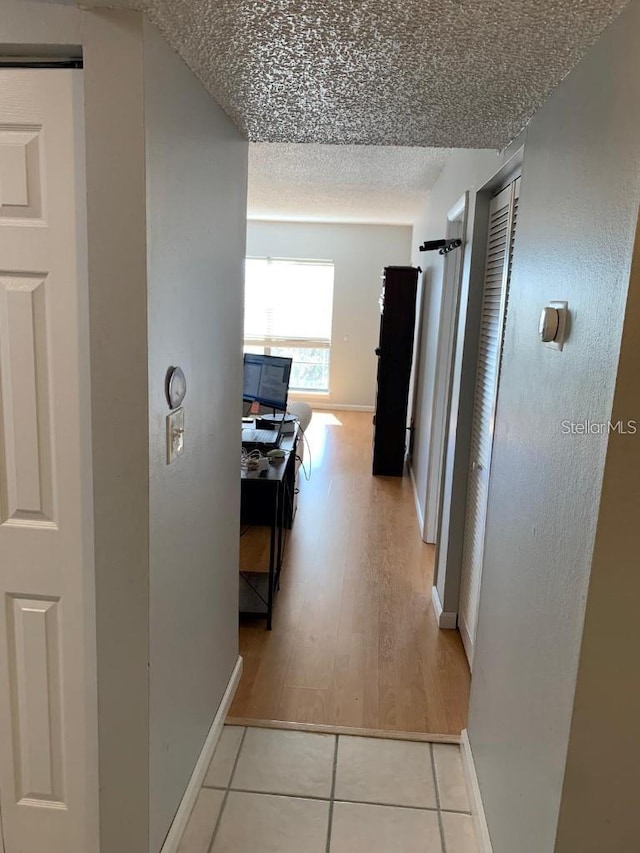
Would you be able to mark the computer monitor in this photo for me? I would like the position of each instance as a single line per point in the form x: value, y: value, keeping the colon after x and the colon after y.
x: 266, y: 380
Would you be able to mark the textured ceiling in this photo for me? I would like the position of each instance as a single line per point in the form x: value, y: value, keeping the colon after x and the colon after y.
x: 443, y: 73
x: 342, y: 183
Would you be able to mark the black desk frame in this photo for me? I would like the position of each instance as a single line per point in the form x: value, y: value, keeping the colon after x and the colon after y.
x: 274, y: 511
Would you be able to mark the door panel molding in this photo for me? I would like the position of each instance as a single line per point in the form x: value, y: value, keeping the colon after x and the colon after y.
x: 35, y: 671
x: 27, y: 482
x: 21, y: 196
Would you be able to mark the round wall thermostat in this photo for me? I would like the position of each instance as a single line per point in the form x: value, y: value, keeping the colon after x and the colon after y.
x: 176, y: 386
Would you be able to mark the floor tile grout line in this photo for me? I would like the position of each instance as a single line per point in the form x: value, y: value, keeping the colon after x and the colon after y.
x: 226, y: 793
x: 333, y: 793
x: 437, y: 790
x: 235, y: 761
x: 237, y: 758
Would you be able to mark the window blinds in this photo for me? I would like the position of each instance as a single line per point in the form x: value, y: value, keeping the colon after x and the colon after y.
x: 288, y: 301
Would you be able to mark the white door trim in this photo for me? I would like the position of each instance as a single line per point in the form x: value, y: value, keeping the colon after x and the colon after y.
x: 445, y: 353
x: 458, y: 209
x: 416, y: 501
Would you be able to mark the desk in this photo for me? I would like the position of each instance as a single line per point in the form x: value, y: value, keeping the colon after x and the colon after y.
x: 267, y: 509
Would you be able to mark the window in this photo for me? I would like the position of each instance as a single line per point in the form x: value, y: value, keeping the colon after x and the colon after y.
x: 287, y: 312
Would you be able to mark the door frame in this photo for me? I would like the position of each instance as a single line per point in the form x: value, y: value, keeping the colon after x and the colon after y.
x: 450, y: 532
x: 445, y: 352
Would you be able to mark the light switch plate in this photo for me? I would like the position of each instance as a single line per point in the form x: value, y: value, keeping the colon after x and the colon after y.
x: 175, y: 435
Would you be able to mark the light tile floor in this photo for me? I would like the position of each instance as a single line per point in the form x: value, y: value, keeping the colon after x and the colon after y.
x: 278, y: 791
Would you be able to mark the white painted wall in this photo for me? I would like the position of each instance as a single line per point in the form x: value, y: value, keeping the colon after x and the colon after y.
x: 360, y: 252
x: 196, y: 170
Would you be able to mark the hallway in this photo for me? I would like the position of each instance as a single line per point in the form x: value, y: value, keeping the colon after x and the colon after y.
x: 354, y: 640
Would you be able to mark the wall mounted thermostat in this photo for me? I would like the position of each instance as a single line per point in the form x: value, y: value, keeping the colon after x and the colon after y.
x: 176, y: 387
x: 553, y: 324
x: 175, y: 435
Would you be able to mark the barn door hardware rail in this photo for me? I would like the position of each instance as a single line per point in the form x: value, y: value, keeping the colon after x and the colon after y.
x: 443, y: 246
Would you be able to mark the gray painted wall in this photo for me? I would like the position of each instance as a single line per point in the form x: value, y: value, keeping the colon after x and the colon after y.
x: 117, y: 278
x: 599, y: 808
x: 196, y: 213
x: 360, y: 253
x: 578, y: 209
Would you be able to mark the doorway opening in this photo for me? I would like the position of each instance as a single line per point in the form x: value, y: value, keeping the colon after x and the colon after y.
x: 365, y: 584
x: 353, y: 643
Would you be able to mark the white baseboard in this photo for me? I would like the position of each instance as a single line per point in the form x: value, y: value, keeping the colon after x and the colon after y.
x: 174, y: 836
x: 482, y: 830
x: 446, y: 619
x: 415, y: 500
x: 467, y: 642
x: 339, y: 407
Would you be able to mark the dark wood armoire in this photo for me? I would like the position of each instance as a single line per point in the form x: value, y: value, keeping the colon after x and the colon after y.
x: 395, y: 353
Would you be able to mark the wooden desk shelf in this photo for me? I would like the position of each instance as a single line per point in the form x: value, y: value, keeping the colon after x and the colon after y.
x: 254, y: 549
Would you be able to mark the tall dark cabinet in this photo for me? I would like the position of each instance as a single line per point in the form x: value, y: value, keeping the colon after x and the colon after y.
x: 395, y: 353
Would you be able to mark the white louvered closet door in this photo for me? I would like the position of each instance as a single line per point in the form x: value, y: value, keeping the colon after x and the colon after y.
x: 503, y: 212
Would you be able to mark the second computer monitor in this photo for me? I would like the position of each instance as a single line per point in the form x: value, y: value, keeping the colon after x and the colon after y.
x: 266, y: 380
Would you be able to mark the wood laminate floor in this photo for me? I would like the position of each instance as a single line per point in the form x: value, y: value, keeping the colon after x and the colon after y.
x: 354, y: 640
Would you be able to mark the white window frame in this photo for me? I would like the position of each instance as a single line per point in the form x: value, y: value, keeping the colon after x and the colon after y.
x: 268, y: 343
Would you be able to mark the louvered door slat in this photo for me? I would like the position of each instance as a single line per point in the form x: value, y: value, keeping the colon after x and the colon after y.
x: 498, y: 263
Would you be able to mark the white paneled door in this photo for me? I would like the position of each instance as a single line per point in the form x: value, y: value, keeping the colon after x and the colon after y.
x: 502, y: 225
x: 48, y: 729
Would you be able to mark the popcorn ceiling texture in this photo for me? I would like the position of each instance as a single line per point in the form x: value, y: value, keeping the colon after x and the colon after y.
x: 342, y: 183
x: 443, y: 73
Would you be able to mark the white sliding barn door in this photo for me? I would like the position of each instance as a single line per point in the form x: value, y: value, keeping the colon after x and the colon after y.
x: 48, y: 760
x: 441, y: 407
x: 502, y: 224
